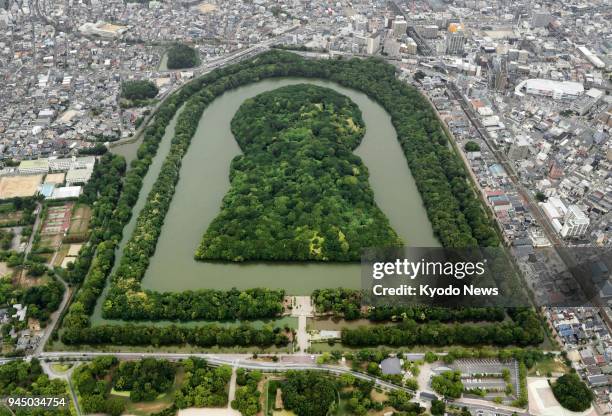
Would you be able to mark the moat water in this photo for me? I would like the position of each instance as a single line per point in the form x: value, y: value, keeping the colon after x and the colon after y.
x: 204, y: 180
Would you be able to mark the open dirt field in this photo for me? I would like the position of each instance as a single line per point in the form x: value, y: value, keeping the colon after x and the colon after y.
x: 206, y: 8
x: 4, y: 269
x: 56, y: 178
x: 12, y: 186
x: 80, y: 220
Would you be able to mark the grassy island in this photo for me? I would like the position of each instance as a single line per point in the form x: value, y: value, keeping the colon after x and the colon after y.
x: 298, y: 192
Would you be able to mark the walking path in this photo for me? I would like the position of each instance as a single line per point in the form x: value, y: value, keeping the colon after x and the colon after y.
x: 302, y: 309
x: 232, y: 389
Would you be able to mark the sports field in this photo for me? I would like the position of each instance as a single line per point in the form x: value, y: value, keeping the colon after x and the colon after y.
x: 22, y: 186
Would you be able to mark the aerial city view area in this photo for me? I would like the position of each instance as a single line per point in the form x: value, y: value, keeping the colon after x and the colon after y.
x: 306, y: 207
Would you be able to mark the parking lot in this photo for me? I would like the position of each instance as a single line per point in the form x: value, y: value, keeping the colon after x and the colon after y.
x: 487, y: 373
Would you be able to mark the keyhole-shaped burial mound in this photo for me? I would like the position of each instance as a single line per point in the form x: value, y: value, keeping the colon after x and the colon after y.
x: 297, y: 192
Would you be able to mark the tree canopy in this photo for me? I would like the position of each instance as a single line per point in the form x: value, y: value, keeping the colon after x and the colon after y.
x: 448, y: 384
x: 182, y: 56
x: 457, y: 216
x: 572, y: 393
x: 307, y: 393
x: 20, y: 379
x: 138, y: 90
x: 298, y: 192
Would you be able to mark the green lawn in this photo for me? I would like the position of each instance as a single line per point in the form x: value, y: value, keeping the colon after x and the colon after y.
x: 549, y: 365
x: 60, y: 368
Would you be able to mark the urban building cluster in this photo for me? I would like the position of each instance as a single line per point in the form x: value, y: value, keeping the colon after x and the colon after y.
x: 523, y: 88
x: 584, y: 334
x: 62, y: 63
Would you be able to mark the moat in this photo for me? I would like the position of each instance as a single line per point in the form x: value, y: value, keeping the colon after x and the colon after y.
x: 204, y: 181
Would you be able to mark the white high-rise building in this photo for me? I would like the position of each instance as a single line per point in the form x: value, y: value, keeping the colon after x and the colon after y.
x: 455, y: 41
x: 576, y: 222
x: 399, y: 27
x: 373, y: 43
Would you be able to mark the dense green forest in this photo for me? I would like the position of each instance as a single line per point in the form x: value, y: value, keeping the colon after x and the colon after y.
x: 208, y: 335
x: 138, y: 90
x: 448, y: 384
x: 308, y: 393
x: 41, y: 300
x: 93, y: 384
x: 313, y: 393
x: 346, y: 303
x: 145, y: 379
x: 572, y: 393
x: 203, y: 386
x: 20, y: 378
x: 204, y: 304
x: 297, y: 191
x: 181, y: 56
x: 524, y: 329
x: 453, y: 209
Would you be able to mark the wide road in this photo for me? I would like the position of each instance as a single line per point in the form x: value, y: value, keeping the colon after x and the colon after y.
x: 502, y: 159
x: 546, y: 226
x: 233, y: 360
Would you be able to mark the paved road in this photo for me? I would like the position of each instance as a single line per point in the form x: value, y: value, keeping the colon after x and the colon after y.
x: 245, y: 361
x: 232, y: 389
x: 54, y: 318
x: 67, y: 377
x: 302, y: 309
x: 532, y: 204
x: 233, y: 360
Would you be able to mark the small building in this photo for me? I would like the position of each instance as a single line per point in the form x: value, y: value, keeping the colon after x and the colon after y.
x: 79, y: 175
x: 21, y: 311
x: 66, y: 164
x: 66, y: 192
x: 27, y: 167
x: 391, y: 365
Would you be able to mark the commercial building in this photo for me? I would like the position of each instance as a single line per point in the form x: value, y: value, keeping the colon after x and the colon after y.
x: 71, y: 163
x: 575, y: 223
x: 591, y: 57
x: 373, y: 43
x: 455, y: 42
x: 28, y: 167
x: 427, y: 31
x: 557, y: 90
x: 391, y: 47
x: 519, y: 149
x: 79, y: 175
x: 410, y: 47
x: 399, y: 27
x: 541, y: 19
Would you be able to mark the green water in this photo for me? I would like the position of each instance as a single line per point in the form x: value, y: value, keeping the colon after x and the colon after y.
x: 205, y: 180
